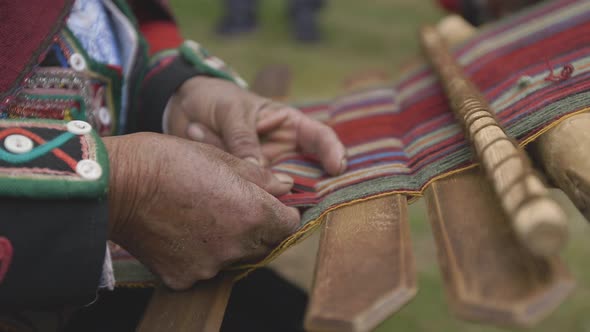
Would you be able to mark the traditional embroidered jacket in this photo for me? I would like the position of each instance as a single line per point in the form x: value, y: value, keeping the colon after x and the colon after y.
x: 56, y: 102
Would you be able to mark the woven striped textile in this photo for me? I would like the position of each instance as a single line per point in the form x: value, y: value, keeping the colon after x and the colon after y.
x: 403, y: 136
x: 400, y: 137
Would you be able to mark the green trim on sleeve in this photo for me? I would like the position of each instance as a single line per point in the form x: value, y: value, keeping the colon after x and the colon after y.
x: 44, y: 182
x: 207, y: 64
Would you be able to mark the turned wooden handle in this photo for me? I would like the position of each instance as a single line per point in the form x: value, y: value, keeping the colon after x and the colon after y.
x: 537, y: 219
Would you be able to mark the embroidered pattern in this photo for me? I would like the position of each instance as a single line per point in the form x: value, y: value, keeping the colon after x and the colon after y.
x: 54, y: 156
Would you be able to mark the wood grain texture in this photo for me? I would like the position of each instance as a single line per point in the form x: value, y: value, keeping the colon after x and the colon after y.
x: 365, y: 267
x: 198, y: 309
x: 536, y: 218
x: 562, y: 152
x: 489, y: 276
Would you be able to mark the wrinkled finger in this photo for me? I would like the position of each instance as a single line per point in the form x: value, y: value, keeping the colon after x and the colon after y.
x: 270, y: 118
x: 202, y: 134
x: 240, y: 137
x: 316, y: 138
x: 274, y: 184
x: 274, y: 151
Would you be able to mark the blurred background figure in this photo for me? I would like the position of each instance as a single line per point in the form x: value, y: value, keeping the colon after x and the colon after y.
x: 241, y: 18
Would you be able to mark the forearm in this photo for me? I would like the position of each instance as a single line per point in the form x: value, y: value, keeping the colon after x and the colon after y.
x: 131, y: 179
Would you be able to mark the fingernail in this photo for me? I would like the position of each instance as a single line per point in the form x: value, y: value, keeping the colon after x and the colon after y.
x: 343, y: 165
x: 284, y: 178
x: 195, y: 133
x: 252, y: 160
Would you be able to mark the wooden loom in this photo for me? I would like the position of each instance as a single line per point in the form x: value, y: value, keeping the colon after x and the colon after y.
x: 365, y: 270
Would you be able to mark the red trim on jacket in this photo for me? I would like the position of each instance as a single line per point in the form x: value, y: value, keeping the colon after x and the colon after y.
x: 160, y: 35
x: 157, y: 25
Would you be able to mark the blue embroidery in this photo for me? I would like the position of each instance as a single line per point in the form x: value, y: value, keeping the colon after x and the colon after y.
x: 92, y: 26
x: 37, y: 152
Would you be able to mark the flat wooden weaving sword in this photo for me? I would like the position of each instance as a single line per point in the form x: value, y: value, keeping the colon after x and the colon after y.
x: 538, y: 221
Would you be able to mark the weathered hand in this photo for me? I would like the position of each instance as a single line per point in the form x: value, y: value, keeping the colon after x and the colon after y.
x: 187, y: 209
x: 218, y: 112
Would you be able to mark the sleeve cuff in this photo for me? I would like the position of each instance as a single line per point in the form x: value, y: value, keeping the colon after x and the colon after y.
x: 53, y: 187
x: 168, y: 70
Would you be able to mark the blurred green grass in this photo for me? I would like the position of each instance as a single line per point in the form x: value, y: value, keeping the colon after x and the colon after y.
x: 362, y: 36
x: 357, y: 38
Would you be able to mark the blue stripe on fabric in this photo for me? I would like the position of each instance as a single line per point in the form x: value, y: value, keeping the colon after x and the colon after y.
x: 376, y: 156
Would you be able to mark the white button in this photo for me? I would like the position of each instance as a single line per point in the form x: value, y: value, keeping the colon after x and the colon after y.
x: 240, y: 81
x: 18, y: 144
x: 89, y: 169
x: 193, y: 45
x: 214, y: 63
x: 78, y: 127
x: 104, y: 115
x: 77, y: 62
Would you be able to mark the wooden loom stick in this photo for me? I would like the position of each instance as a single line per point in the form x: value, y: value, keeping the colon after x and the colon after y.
x: 538, y: 221
x: 563, y: 153
x: 199, y: 309
x: 365, y: 267
x: 489, y: 276
x: 525, y: 287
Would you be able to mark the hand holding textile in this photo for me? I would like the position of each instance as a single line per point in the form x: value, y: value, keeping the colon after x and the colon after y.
x: 186, y: 209
x: 220, y: 113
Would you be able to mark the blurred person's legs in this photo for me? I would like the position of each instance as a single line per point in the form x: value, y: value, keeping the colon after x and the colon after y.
x: 303, y: 15
x: 240, y: 17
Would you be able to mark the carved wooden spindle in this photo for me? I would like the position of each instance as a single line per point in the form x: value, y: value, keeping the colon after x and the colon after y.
x: 561, y: 150
x: 488, y: 275
x: 537, y: 219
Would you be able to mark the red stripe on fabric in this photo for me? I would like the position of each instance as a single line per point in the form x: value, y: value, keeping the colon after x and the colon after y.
x: 503, y: 65
x: 534, y: 70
